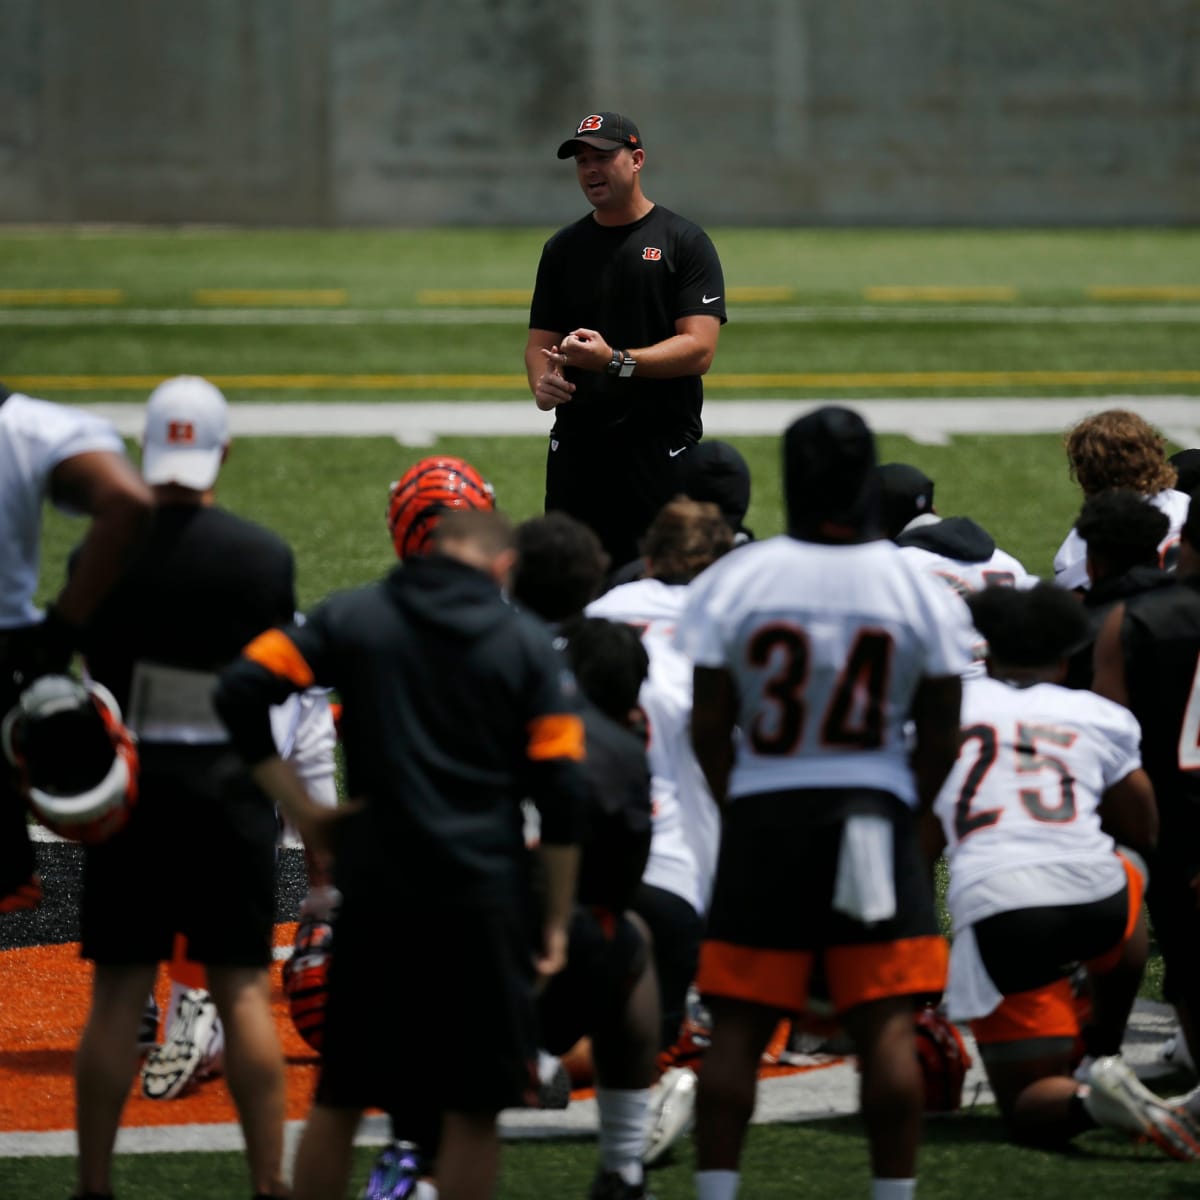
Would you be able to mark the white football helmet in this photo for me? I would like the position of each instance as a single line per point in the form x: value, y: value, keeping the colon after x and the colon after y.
x: 77, y: 763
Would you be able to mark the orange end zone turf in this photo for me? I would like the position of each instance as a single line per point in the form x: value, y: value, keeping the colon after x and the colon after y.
x: 45, y: 992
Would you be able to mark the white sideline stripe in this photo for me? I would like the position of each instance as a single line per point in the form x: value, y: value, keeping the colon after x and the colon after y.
x: 804, y: 314
x: 928, y: 421
x: 831, y: 1091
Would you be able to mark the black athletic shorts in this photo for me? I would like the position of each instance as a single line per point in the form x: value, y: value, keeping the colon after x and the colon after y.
x: 615, y: 483
x: 197, y: 857
x: 605, y: 957
x: 430, y: 1010
x: 1031, y: 947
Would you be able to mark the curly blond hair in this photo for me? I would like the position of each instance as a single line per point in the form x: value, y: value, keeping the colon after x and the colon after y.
x: 1118, y: 449
x: 684, y: 538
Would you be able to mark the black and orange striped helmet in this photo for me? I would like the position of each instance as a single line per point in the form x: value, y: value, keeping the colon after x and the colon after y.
x: 427, y: 490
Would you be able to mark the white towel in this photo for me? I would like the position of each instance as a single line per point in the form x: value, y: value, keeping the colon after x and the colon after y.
x: 865, y: 888
x: 970, y: 992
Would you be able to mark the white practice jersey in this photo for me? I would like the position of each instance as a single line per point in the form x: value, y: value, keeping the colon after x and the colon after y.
x: 1020, y: 807
x: 35, y: 436
x: 687, y: 823
x: 1001, y: 569
x: 1070, y: 560
x: 826, y: 646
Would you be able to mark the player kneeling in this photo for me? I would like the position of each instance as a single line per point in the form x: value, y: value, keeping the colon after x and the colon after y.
x: 1046, y: 779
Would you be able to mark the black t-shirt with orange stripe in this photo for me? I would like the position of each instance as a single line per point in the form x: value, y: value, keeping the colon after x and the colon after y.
x: 455, y: 707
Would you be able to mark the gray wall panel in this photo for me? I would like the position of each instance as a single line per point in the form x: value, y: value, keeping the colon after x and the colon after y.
x: 448, y: 111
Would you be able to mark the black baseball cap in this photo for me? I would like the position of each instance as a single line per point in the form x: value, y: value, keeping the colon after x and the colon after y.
x: 905, y: 492
x: 830, y: 484
x: 605, y: 131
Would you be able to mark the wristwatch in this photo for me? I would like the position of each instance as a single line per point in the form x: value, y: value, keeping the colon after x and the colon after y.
x: 622, y: 364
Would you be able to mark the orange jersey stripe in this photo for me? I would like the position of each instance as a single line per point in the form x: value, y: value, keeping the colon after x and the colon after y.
x: 277, y: 652
x: 556, y: 735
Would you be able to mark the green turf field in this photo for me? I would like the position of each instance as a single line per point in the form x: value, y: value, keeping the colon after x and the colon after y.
x: 1026, y: 313
x: 845, y: 312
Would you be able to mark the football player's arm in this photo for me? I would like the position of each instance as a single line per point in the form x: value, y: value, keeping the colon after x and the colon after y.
x: 105, y: 486
x: 935, y: 714
x: 1108, y: 659
x: 714, y: 715
x: 269, y: 670
x: 1129, y: 814
x: 558, y: 787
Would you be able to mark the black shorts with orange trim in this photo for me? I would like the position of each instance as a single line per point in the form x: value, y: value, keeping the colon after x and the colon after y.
x: 1029, y: 954
x: 772, y: 927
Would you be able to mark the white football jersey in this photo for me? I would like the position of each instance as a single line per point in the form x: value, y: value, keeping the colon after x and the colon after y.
x: 826, y: 646
x: 687, y: 823
x: 1070, y: 560
x: 35, y: 436
x: 1020, y: 807
x: 967, y: 577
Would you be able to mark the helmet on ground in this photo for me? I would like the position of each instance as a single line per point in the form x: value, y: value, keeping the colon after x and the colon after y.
x: 944, y: 1060
x: 77, y: 763
x: 306, y: 979
x: 424, y: 493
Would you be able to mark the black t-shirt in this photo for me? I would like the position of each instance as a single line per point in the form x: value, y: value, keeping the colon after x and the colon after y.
x: 1161, y: 641
x: 616, y: 841
x: 631, y: 283
x: 205, y: 583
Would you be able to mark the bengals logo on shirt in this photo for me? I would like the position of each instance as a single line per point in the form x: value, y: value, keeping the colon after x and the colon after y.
x: 651, y: 253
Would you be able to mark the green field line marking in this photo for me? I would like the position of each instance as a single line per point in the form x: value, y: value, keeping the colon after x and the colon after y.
x: 86, y: 296
x: 717, y: 382
x: 322, y: 297
x: 937, y: 294
x: 435, y: 297
x: 1144, y: 292
x: 438, y: 297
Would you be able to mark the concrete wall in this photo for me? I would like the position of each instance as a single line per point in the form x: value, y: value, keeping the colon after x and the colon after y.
x: 419, y: 112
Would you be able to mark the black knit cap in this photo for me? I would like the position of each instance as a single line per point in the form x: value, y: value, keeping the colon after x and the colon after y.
x: 716, y: 471
x: 905, y: 492
x: 605, y: 131
x: 831, y: 487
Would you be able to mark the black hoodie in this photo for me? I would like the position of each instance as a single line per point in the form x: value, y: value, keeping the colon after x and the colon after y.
x: 455, y: 707
x: 958, y: 538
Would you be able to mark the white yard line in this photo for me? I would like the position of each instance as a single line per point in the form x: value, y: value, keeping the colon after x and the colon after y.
x: 927, y: 421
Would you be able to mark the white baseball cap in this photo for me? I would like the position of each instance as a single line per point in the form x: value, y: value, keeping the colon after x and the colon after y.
x: 187, y: 430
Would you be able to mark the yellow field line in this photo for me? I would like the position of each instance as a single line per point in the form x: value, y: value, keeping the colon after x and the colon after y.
x: 320, y: 297
x: 1163, y: 292
x: 22, y: 296
x: 809, y: 379
x: 938, y: 294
